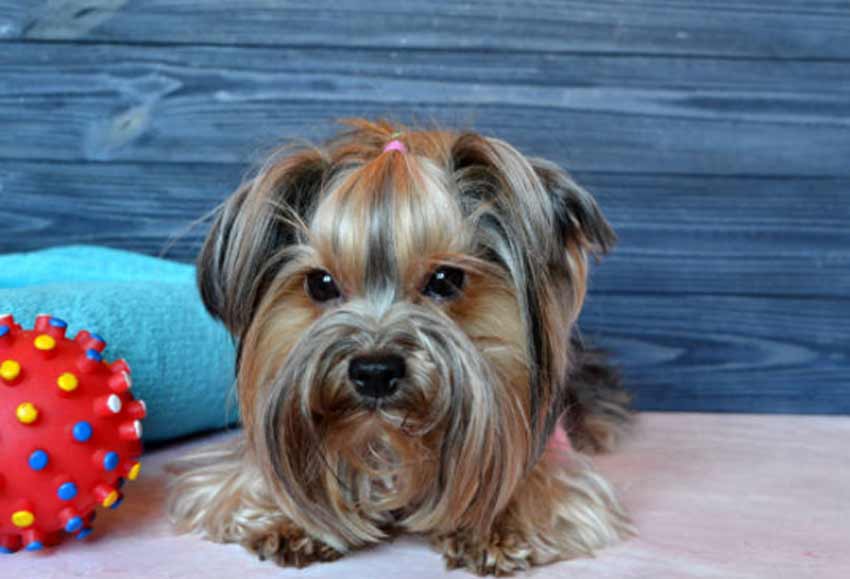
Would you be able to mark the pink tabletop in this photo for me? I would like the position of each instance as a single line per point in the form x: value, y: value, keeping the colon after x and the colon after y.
x: 725, y: 496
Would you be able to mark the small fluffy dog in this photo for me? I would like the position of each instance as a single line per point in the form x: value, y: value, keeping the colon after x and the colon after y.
x: 404, y: 305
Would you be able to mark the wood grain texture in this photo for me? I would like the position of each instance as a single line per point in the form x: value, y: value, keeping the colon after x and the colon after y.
x: 153, y: 209
x: 678, y: 234
x: 716, y: 136
x: 788, y: 29
x: 727, y: 353
x: 218, y: 105
x: 725, y: 235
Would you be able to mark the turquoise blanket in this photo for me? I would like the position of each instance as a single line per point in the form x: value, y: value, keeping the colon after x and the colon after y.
x: 149, y: 312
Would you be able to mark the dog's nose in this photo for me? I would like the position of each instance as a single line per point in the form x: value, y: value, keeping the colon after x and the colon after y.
x: 376, y: 375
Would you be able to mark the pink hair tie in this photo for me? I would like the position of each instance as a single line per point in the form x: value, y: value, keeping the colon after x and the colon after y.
x: 395, y: 145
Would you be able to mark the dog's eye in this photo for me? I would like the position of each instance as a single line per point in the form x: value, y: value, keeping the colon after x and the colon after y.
x: 445, y: 283
x: 321, y: 286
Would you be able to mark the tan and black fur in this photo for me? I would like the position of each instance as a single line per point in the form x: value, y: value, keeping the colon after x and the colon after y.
x: 458, y: 451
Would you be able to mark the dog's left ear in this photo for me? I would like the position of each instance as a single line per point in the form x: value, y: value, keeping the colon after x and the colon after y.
x: 578, y: 218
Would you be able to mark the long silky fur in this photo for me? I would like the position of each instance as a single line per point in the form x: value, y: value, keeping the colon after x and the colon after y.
x: 461, y: 450
x: 466, y: 418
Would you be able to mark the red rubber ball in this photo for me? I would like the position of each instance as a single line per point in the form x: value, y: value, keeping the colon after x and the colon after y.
x: 70, y: 432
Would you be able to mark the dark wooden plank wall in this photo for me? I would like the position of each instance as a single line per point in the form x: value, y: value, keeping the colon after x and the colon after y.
x: 715, y: 134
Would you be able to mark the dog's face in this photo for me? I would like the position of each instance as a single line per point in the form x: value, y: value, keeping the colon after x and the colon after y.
x: 403, y: 321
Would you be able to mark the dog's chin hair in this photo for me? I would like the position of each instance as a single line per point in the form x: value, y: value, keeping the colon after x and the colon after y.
x: 383, y: 468
x: 453, y: 463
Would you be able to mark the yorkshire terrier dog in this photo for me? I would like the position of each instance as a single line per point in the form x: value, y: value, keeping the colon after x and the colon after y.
x: 404, y: 305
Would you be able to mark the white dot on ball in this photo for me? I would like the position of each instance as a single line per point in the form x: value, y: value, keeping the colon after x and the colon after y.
x: 113, y: 403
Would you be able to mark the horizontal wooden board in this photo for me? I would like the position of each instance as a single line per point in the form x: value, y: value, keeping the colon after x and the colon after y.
x: 788, y: 29
x: 721, y: 235
x: 678, y: 234
x: 219, y: 105
x: 727, y: 353
x: 153, y: 209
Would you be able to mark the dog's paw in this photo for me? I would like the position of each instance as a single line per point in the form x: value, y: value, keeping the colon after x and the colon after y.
x: 500, y: 554
x: 289, y: 546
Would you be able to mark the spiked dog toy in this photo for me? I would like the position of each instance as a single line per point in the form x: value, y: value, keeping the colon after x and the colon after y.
x: 70, y: 432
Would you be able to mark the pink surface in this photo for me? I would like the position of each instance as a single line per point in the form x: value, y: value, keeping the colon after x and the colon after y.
x: 727, y: 496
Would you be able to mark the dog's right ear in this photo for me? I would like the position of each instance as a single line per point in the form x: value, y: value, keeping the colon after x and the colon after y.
x: 241, y: 253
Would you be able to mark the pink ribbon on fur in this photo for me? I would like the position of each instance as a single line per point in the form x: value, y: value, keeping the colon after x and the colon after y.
x: 395, y: 145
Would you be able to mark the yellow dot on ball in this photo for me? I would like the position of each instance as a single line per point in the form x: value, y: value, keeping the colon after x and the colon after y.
x: 67, y: 382
x: 23, y: 518
x: 26, y: 412
x: 133, y: 474
x: 110, y: 499
x: 44, y: 342
x: 9, y: 370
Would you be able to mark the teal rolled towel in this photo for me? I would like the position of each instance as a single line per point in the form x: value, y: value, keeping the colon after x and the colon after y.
x: 149, y: 312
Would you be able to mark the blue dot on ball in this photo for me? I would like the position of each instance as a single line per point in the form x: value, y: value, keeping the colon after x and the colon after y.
x: 110, y: 461
x: 58, y: 323
x: 82, y: 431
x: 4, y: 329
x: 94, y: 355
x: 74, y: 524
x: 34, y: 546
x: 84, y: 533
x: 6, y: 551
x: 67, y: 491
x: 117, y: 503
x: 97, y: 337
x: 38, y: 459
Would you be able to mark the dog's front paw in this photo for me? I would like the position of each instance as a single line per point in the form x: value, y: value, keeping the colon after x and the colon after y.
x: 289, y: 546
x: 499, y: 554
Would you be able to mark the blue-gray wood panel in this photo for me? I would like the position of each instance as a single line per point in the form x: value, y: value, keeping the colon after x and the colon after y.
x: 592, y: 113
x: 784, y: 29
x: 716, y: 136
